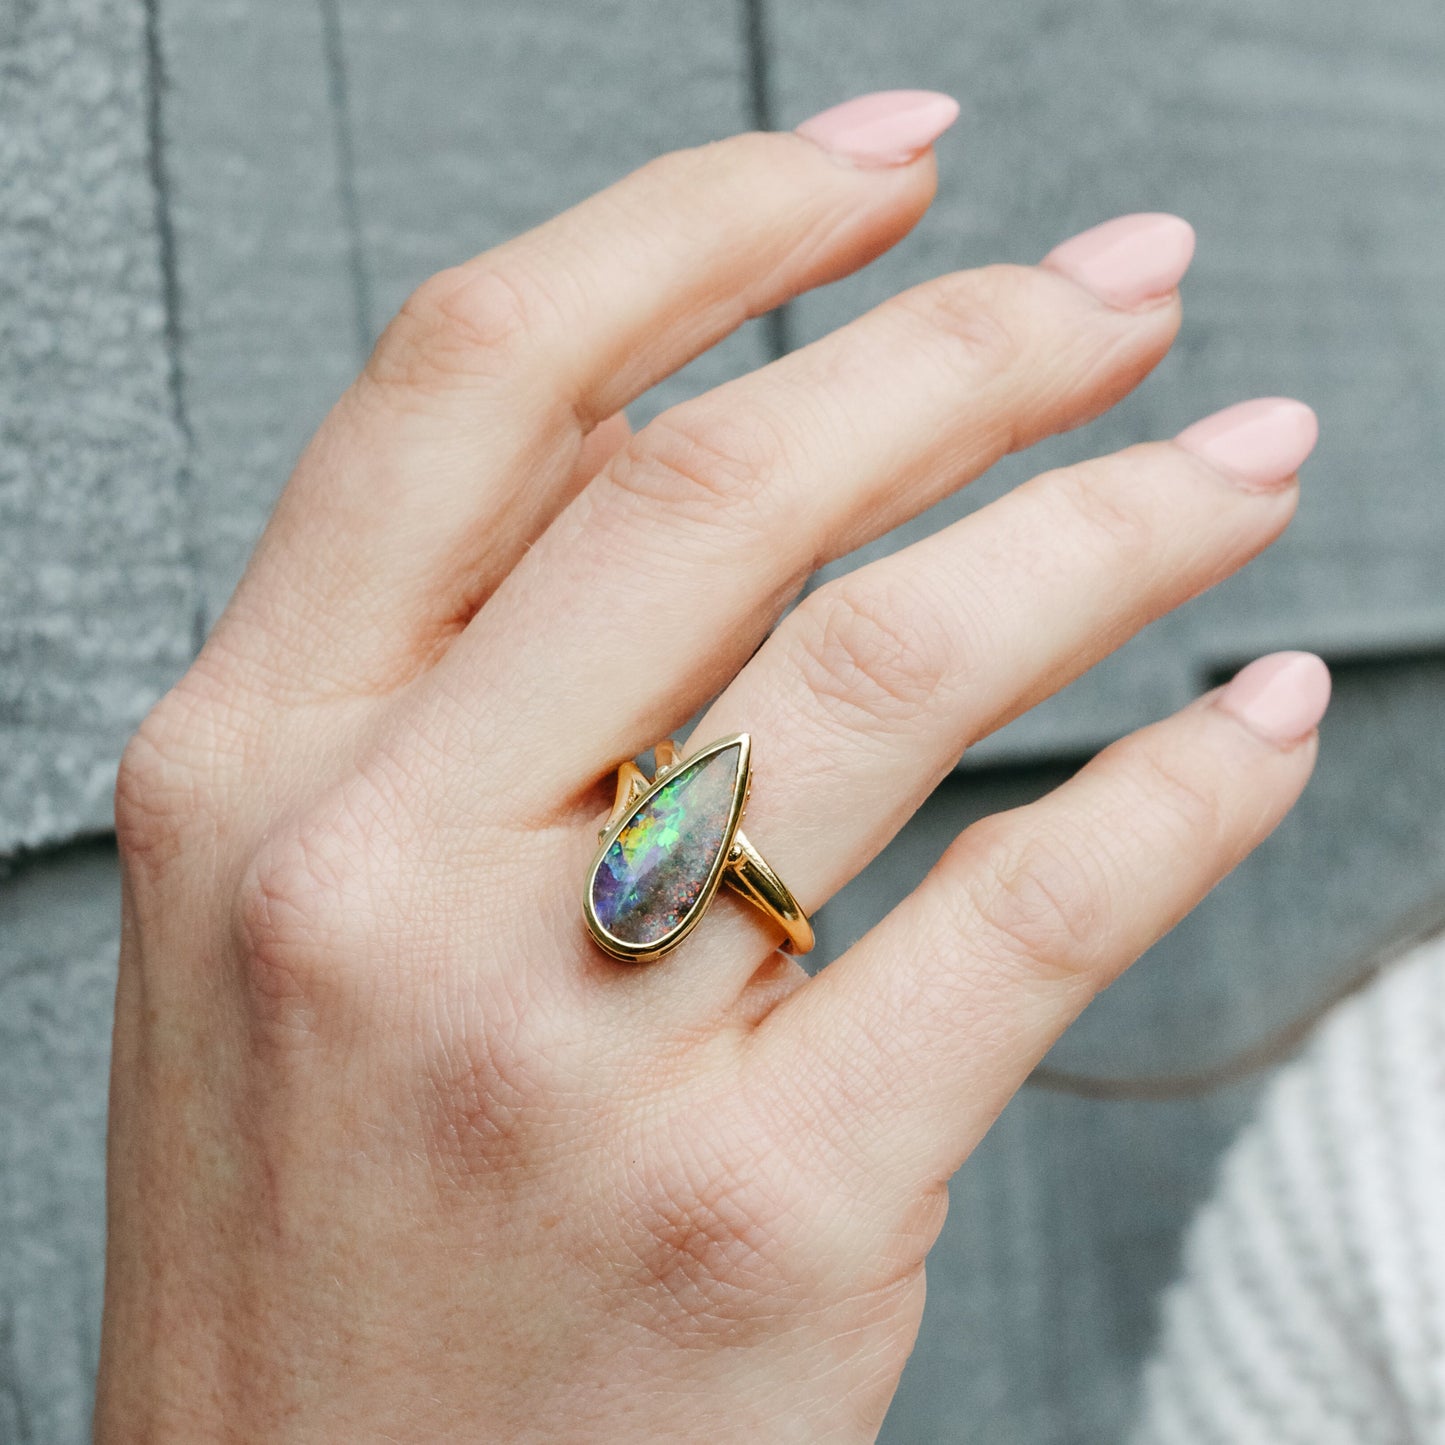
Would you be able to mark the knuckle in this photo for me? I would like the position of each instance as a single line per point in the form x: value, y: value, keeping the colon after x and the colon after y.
x: 706, y: 467
x: 684, y: 169
x: 876, y: 655
x: 899, y: 1257
x: 716, y: 168
x: 309, y: 911
x: 1099, y: 510
x: 152, y: 793
x: 1193, y: 810
x: 477, y: 321
x: 286, y: 909
x: 980, y: 316
x: 1042, y: 901
x: 168, y: 782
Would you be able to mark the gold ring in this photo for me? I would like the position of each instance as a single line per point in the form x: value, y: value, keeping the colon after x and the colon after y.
x: 667, y: 845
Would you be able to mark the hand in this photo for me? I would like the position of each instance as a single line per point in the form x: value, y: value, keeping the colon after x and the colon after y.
x: 396, y: 1152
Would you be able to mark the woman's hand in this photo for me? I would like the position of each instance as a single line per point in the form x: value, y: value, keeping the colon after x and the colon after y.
x: 396, y: 1152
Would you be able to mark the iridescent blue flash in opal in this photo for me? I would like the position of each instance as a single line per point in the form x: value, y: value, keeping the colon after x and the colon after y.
x: 653, y: 874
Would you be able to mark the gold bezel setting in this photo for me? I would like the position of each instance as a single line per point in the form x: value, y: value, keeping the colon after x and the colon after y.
x: 634, y: 792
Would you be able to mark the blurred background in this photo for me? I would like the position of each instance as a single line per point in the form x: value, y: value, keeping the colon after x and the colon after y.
x: 208, y: 209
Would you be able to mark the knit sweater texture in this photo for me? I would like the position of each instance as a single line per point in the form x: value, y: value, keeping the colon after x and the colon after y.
x: 1311, y: 1306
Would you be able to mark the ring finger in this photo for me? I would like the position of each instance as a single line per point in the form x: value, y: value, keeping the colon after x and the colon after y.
x: 866, y: 694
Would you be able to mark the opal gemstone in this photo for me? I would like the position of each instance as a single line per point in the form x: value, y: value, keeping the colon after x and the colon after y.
x: 653, y: 874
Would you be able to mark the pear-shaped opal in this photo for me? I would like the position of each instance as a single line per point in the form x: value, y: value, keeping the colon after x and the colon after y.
x: 657, y: 869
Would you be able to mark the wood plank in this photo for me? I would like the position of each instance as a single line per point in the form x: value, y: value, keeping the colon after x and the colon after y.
x: 267, y: 297
x: 96, y: 618
x: 59, y: 934
x: 1304, y: 142
x: 326, y: 157
x: 323, y: 161
x: 481, y: 121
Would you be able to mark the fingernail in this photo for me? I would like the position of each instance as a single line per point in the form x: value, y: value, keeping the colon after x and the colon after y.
x: 886, y: 128
x: 1129, y: 260
x: 1261, y: 442
x: 1280, y: 698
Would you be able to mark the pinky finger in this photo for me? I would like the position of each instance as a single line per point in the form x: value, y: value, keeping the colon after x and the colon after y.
x: 908, y: 1046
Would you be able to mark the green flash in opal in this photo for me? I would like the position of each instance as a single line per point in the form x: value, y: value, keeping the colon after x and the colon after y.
x: 662, y: 865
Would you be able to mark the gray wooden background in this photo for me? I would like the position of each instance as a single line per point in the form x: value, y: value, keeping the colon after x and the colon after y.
x: 209, y: 207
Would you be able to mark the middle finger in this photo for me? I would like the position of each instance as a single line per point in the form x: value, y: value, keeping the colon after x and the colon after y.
x: 653, y: 586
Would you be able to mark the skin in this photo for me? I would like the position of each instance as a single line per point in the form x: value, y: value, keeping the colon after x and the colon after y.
x: 396, y: 1153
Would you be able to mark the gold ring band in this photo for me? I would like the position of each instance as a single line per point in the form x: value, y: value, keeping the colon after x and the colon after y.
x: 667, y: 846
x: 748, y: 873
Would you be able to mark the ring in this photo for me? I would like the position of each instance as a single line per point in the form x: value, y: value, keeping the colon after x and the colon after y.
x: 667, y: 845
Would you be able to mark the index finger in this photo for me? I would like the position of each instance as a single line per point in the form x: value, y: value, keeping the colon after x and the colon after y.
x: 460, y: 440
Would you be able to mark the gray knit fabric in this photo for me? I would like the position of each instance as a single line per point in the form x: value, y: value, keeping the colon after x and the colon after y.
x: 1312, y: 1306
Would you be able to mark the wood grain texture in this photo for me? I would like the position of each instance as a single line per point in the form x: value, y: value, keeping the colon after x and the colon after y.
x: 268, y: 331
x: 487, y: 119
x: 1307, y: 145
x: 329, y: 156
x: 190, y: 271
x: 211, y: 210
x: 59, y: 932
x: 95, y: 585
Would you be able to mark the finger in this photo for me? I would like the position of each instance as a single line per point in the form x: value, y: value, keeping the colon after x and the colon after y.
x: 598, y: 448
x: 867, y: 693
x: 461, y: 438
x: 652, y: 589
x: 916, y: 1037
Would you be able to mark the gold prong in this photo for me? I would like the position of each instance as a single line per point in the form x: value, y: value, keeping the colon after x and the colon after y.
x: 631, y: 785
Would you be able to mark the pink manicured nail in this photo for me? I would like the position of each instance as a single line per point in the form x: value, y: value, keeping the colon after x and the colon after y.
x: 886, y: 128
x: 1281, y: 698
x: 1129, y: 260
x: 1261, y: 442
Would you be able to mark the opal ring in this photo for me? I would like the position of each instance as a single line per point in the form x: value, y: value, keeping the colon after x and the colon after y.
x: 668, y: 844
